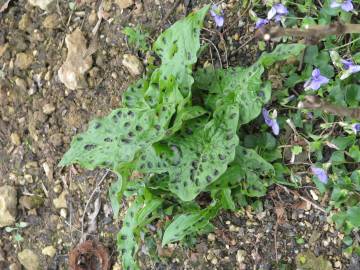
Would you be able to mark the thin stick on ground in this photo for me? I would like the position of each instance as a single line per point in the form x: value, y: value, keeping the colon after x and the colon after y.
x: 314, y: 102
x: 216, y: 49
x: 313, y: 34
x: 302, y: 197
x: 167, y: 15
x: 96, y: 189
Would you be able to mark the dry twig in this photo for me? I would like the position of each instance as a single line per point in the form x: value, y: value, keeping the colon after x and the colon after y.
x: 312, y: 34
x: 314, y: 102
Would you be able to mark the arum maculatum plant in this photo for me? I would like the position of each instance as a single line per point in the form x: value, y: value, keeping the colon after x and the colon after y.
x: 176, y: 137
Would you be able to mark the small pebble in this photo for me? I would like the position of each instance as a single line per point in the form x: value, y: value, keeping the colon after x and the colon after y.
x: 15, y: 139
x: 211, y: 237
x: 48, y: 108
x: 63, y: 212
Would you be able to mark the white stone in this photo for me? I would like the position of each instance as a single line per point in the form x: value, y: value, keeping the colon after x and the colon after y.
x: 78, y: 61
x: 124, y: 3
x: 60, y: 202
x: 133, y: 64
x: 240, y: 256
x: 43, y: 4
x: 29, y: 259
x: 49, y: 251
x: 8, y: 202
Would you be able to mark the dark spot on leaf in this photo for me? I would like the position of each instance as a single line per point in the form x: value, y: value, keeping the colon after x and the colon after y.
x: 163, y: 39
x: 131, y: 113
x: 142, y: 166
x: 127, y: 97
x: 149, y: 164
x: 208, y: 178
x: 127, y: 124
x: 143, y: 157
x: 132, y: 214
x: 197, y: 181
x: 204, y: 158
x: 232, y: 116
x: 216, y: 172
x: 138, y: 128
x: 124, y: 140
x: 194, y: 164
x: 157, y: 127
x: 123, y: 237
x: 115, y: 119
x: 185, y: 184
x: 131, y: 134
x: 229, y: 137
x: 89, y: 147
x: 221, y: 157
x: 97, y: 125
x: 189, y: 131
x: 107, y: 139
x: 79, y: 139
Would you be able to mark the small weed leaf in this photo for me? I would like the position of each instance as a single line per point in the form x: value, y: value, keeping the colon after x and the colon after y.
x: 137, y: 37
x: 245, y: 171
x: 282, y: 52
x: 187, y: 224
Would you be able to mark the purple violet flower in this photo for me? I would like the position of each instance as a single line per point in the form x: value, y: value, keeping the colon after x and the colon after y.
x: 320, y: 174
x: 217, y: 14
x: 271, y: 122
x: 356, y: 127
x: 315, y: 81
x: 277, y: 11
x: 261, y: 22
x: 345, y: 5
x: 350, y: 68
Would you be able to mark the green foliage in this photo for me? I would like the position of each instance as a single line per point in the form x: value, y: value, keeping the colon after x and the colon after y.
x: 183, y: 132
x: 137, y: 37
x: 16, y: 230
x: 187, y: 224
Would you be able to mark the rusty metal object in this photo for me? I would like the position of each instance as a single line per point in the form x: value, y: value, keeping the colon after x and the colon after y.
x: 89, y: 255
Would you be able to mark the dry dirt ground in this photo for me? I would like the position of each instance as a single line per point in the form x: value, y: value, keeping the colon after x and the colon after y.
x: 39, y: 116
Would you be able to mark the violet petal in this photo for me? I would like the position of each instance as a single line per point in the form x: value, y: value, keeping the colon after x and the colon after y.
x: 320, y: 174
x: 275, y: 127
x: 266, y: 117
x: 271, y: 14
x: 347, y: 6
x: 281, y: 9
x: 261, y: 23
x: 356, y: 127
x: 335, y: 4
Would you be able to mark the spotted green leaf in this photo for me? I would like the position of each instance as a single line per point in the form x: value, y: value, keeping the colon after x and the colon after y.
x: 203, y: 152
x: 140, y: 213
x: 178, y: 47
x: 116, y: 138
x: 245, y: 171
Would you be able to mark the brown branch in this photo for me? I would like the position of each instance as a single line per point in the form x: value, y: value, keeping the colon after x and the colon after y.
x: 314, y: 102
x: 312, y: 33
